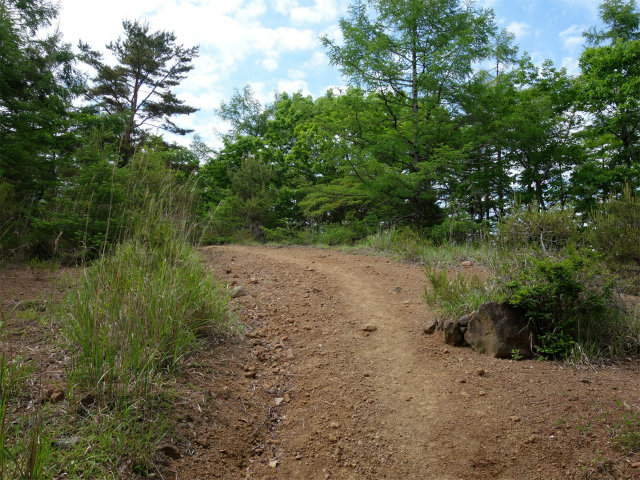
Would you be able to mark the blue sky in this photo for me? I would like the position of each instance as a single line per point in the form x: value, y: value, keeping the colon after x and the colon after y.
x: 273, y: 44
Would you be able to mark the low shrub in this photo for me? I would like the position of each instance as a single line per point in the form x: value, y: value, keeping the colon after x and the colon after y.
x: 615, y: 231
x: 550, y: 230
x: 569, y: 300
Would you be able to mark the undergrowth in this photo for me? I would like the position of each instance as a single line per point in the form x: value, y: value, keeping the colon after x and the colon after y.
x: 134, y: 316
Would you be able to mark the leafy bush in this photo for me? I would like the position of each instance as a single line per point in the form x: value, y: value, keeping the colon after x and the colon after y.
x: 526, y: 226
x: 569, y: 300
x: 459, y: 231
x: 615, y: 229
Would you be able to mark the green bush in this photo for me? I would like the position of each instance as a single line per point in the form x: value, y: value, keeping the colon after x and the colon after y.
x: 569, y: 300
x: 459, y: 231
x: 615, y: 229
x: 526, y: 226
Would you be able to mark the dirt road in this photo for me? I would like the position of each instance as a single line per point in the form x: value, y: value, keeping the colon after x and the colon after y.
x: 350, y: 387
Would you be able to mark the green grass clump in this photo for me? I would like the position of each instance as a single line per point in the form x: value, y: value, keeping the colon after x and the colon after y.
x: 142, y: 309
x: 409, y: 245
x: 456, y: 294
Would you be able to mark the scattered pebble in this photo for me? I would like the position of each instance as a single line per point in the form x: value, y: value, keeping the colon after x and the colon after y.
x: 369, y: 328
x: 238, y: 292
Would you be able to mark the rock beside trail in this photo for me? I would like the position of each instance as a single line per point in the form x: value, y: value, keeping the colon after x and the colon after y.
x: 452, y: 334
x: 497, y: 330
x: 430, y: 326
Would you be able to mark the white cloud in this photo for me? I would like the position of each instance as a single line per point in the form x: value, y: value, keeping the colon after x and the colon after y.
x: 269, y: 64
x: 320, y: 11
x: 318, y: 59
x: 572, y: 37
x: 335, y: 89
x: 254, y: 9
x: 519, y: 29
x: 334, y: 33
x: 589, y: 5
x: 572, y: 65
x: 261, y: 92
x: 296, y: 74
x: 487, y: 3
x: 293, y: 86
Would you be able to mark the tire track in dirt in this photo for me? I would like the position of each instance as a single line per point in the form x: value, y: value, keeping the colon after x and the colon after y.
x: 389, y: 353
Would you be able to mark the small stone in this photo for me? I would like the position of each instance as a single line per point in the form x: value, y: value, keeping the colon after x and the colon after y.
x: 481, y: 393
x: 430, y: 326
x: 203, y: 442
x: 366, y: 374
x: 52, y: 395
x: 335, y: 425
x: 514, y: 418
x: 467, y: 264
x: 253, y: 280
x: 396, y: 290
x: 369, y: 328
x: 56, y: 396
x: 287, y: 398
x: 635, y: 465
x: 445, y: 350
x: 333, y: 438
x: 279, y: 401
x: 169, y: 450
x: 273, y: 463
x: 481, y: 372
x: 250, y: 374
x: 461, y: 380
x: 238, y: 292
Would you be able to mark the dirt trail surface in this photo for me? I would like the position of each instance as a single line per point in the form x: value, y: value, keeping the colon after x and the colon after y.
x: 356, y: 390
x: 335, y: 379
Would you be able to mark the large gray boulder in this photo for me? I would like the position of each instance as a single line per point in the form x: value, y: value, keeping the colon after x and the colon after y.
x: 497, y: 330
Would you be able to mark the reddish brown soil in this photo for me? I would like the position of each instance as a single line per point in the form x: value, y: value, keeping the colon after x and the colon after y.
x: 308, y: 394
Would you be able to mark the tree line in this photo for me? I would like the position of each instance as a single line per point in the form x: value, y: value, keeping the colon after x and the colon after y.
x: 443, y: 126
x: 442, y: 122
